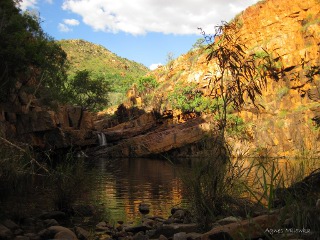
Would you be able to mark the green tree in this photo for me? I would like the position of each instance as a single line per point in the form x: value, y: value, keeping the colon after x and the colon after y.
x: 88, y: 92
x: 239, y: 77
x: 27, y: 54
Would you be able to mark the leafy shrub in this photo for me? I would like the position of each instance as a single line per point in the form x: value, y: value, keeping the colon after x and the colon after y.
x: 90, y: 93
x: 189, y: 99
x: 147, y: 84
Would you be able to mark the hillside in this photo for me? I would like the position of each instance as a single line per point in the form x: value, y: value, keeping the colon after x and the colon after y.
x: 120, y: 72
x: 287, y: 123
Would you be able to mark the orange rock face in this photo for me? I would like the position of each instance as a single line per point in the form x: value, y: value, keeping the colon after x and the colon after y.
x: 285, y: 124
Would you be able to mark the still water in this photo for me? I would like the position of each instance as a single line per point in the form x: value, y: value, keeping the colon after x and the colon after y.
x: 122, y: 184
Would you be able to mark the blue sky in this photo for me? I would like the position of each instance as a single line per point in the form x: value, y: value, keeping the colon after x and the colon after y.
x: 141, y: 30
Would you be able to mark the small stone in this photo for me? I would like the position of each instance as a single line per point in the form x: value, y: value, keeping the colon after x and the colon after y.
x: 102, y: 226
x: 140, y: 236
x: 50, y: 222
x: 174, y: 209
x: 179, y: 214
x: 180, y: 236
x: 193, y: 236
x: 162, y: 237
x: 144, y: 208
x: 149, y: 223
x: 82, y: 234
x: 65, y: 235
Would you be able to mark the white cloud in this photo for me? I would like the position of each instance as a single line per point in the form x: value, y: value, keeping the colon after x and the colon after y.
x: 64, y: 28
x: 154, y: 66
x: 49, y: 1
x: 71, y: 22
x: 27, y: 4
x: 165, y: 16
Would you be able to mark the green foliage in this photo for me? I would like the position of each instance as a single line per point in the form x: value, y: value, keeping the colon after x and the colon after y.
x: 189, y: 99
x: 235, y: 125
x: 200, y: 43
x: 88, y: 92
x: 147, y: 84
x: 27, y: 53
x: 121, y: 73
x: 281, y: 92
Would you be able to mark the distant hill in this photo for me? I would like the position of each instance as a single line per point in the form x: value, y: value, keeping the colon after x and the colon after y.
x: 120, y: 72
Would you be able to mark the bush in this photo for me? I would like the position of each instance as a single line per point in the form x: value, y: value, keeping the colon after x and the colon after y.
x: 189, y: 99
x: 147, y: 84
x: 90, y: 93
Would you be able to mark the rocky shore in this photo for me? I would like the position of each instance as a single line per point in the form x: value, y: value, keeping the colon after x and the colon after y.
x: 277, y: 224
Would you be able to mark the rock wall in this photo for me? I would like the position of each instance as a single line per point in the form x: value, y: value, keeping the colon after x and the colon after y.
x: 286, y: 124
x: 24, y: 118
x: 289, y: 30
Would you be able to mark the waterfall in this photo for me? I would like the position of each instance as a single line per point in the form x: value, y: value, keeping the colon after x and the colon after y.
x: 102, y: 139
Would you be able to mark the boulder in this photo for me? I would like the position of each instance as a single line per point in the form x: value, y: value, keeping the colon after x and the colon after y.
x: 58, y: 232
x: 65, y: 235
x: 168, y: 230
x: 246, y: 229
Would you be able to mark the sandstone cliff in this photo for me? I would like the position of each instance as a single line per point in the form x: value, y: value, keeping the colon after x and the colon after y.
x: 288, y: 122
x: 26, y: 119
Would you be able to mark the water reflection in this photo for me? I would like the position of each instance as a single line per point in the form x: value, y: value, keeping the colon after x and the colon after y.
x: 122, y: 184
